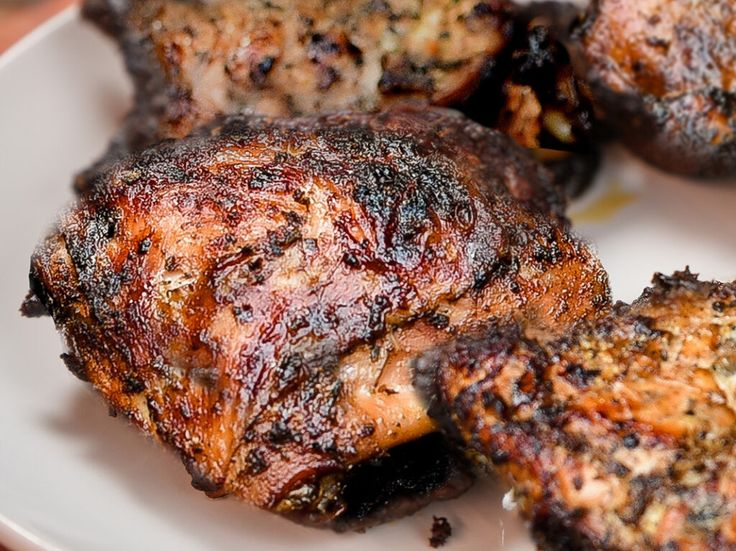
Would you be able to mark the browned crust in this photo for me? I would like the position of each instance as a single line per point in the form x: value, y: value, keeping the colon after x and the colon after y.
x: 505, y: 69
x: 195, y: 61
x: 618, y: 436
x: 252, y: 297
x: 534, y: 96
x: 663, y: 74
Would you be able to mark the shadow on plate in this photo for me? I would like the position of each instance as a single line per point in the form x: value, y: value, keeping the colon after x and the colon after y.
x: 158, y: 480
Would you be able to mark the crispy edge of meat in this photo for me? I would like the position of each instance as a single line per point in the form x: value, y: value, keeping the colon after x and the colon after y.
x: 526, y: 87
x: 166, y: 107
x: 620, y: 435
x: 515, y: 185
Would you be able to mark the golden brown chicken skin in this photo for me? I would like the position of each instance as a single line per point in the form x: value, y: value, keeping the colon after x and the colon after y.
x: 619, y: 436
x: 253, y: 298
x: 663, y: 74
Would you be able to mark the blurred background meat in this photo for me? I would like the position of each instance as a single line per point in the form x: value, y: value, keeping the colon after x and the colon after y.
x: 663, y: 76
x: 195, y: 61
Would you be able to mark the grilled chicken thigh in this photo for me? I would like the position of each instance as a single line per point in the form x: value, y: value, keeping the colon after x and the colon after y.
x: 663, y: 73
x: 618, y: 436
x: 195, y: 61
x: 254, y: 297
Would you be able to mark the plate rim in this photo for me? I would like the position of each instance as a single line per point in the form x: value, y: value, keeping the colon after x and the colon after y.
x: 12, y: 534
x: 17, y: 538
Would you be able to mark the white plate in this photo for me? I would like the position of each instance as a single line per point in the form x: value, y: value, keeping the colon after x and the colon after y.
x: 73, y: 478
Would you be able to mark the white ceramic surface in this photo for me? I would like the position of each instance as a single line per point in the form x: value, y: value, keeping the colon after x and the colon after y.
x: 73, y: 478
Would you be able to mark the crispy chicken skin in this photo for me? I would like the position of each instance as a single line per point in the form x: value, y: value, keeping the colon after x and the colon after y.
x: 253, y: 297
x: 195, y: 60
x: 663, y: 72
x: 618, y: 436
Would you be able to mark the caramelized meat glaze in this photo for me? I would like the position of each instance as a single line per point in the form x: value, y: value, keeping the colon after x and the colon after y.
x: 253, y: 296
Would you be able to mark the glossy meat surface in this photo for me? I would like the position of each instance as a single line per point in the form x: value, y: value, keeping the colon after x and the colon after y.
x: 619, y: 436
x: 663, y: 71
x: 253, y: 298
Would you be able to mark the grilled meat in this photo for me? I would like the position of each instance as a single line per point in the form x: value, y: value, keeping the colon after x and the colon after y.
x: 619, y: 436
x: 663, y: 73
x: 253, y: 297
x: 195, y: 61
x: 192, y: 61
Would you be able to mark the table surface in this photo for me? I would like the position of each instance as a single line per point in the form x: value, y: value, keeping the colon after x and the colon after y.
x: 16, y: 20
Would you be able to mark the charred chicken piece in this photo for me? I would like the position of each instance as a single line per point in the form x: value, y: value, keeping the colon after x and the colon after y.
x: 663, y: 73
x: 253, y: 298
x: 195, y: 60
x: 619, y: 436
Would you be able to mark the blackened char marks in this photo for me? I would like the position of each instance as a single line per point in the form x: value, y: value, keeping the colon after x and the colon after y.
x: 662, y: 75
x: 252, y: 296
x: 195, y: 61
x: 410, y: 202
x: 441, y: 532
x: 617, y: 436
x: 532, y: 94
x: 425, y: 467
